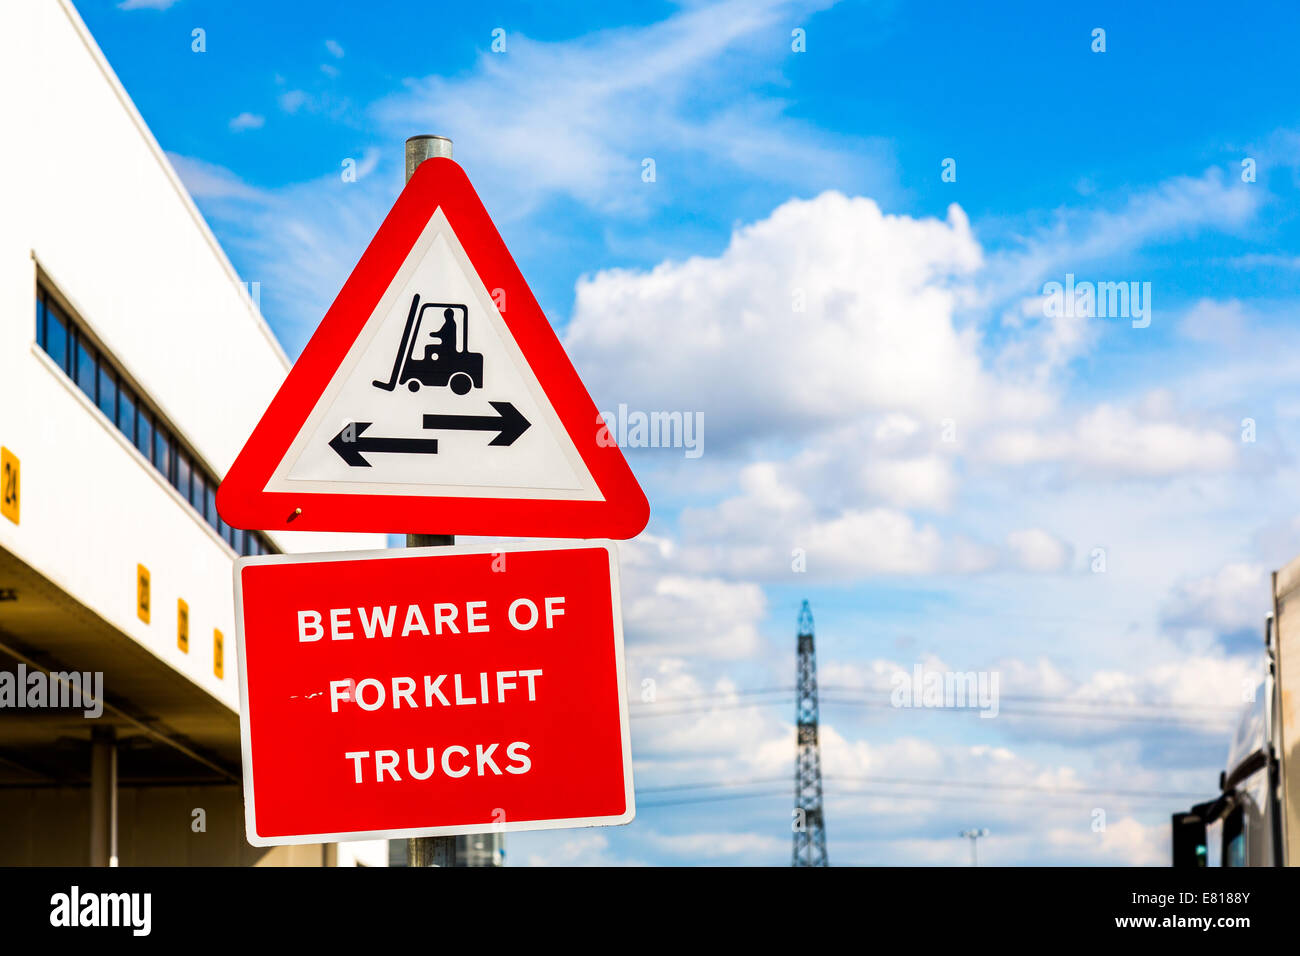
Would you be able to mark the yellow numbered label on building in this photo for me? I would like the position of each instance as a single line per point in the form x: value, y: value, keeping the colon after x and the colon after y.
x: 10, y: 488
x: 218, y: 655
x: 142, y: 592
x: 182, y: 625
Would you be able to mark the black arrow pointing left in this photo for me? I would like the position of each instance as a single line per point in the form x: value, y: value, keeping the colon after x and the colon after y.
x: 349, y: 445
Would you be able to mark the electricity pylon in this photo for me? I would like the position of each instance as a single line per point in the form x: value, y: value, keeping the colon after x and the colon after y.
x: 809, y: 826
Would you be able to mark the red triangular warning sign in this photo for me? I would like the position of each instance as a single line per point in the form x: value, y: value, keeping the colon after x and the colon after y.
x: 434, y: 398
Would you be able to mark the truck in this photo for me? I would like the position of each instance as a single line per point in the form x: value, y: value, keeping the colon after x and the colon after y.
x: 1255, y: 819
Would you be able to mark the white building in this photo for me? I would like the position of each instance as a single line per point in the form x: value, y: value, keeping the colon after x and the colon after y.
x: 133, y: 364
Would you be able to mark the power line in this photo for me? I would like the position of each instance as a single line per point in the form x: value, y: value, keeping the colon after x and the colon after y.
x: 1044, y: 712
x: 1059, y: 798
x: 712, y: 799
x: 703, y: 708
x: 1171, y: 720
x: 1082, y: 702
x: 941, y: 782
x: 1011, y: 698
x: 1054, y: 801
x: 756, y: 692
x: 1026, y: 787
x: 1094, y: 710
x: 710, y: 786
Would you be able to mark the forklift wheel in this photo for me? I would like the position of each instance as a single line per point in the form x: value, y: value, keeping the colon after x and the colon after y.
x: 413, y: 384
x: 461, y: 383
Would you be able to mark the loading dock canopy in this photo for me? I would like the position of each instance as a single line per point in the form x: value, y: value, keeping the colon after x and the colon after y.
x: 169, y: 730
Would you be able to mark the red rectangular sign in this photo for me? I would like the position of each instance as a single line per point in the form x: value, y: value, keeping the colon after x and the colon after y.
x: 432, y: 691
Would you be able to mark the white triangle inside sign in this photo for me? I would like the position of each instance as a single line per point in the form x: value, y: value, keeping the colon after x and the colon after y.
x: 435, y: 398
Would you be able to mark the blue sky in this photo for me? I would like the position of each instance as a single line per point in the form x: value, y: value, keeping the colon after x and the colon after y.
x: 947, y: 455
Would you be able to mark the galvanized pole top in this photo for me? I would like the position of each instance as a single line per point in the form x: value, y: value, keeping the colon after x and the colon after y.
x: 420, y: 148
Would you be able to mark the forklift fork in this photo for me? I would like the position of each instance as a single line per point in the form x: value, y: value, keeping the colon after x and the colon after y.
x: 401, y: 352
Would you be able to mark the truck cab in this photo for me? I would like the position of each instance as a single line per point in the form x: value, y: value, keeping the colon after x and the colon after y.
x: 1242, y: 826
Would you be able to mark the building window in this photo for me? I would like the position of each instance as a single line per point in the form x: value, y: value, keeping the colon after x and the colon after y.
x: 162, y: 452
x: 53, y: 334
x: 84, y: 360
x: 107, y: 392
x: 127, y: 409
x: 181, y: 477
x: 144, y: 437
x: 126, y: 413
x: 197, y: 498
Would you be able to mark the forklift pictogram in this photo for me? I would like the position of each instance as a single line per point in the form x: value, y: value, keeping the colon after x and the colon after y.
x: 436, y: 355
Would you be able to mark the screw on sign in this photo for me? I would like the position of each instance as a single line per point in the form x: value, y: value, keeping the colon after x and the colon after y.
x: 425, y: 693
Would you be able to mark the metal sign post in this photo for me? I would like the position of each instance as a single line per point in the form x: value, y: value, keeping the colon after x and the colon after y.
x: 428, y: 851
x: 416, y: 347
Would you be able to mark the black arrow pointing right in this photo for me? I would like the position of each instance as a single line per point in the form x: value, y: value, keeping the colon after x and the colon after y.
x: 508, y: 422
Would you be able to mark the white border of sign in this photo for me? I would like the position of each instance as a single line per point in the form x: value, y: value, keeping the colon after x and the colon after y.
x: 250, y: 814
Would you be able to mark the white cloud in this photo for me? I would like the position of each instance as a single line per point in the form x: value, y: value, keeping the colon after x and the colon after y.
x: 1094, y: 243
x: 1217, y: 323
x: 1059, y: 838
x: 1124, y: 842
x: 879, y: 333
x: 1205, y: 688
x: 1176, y: 208
x: 1111, y: 440
x: 1046, y: 344
x: 875, y: 540
x: 1265, y: 260
x: 1275, y: 541
x: 1037, y: 811
x: 1205, y: 691
x: 574, y: 848
x: 811, y: 510
x: 322, y: 102
x: 1034, y: 549
x: 293, y: 100
x: 824, y: 311
x: 669, y: 617
x: 672, y: 610
x: 708, y: 733
x: 1235, y: 598
x: 756, y: 533
x: 209, y: 181
x: 732, y: 847
x: 922, y: 482
x: 247, y: 121
x: 335, y: 48
x: 301, y: 241
x: 678, y: 91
